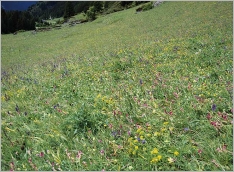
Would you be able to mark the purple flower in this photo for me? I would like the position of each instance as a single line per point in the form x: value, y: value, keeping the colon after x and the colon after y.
x: 114, y: 133
x: 138, y: 139
x: 129, y: 133
x: 213, y: 107
x: 143, y: 141
x: 186, y: 129
x: 141, y: 82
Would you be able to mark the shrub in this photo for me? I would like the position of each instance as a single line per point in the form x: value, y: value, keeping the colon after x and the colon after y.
x: 145, y: 7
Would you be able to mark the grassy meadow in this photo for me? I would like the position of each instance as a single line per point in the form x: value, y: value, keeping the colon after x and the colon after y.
x: 126, y: 92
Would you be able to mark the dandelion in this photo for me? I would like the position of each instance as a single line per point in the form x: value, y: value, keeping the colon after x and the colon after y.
x: 154, y: 151
x: 139, y: 130
x: 157, y: 134
x: 156, y: 159
x: 148, y: 135
x: 176, y: 153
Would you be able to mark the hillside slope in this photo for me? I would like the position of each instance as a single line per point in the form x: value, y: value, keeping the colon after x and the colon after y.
x: 129, y: 91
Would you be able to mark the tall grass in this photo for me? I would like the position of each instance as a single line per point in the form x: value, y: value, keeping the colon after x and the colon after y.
x: 145, y: 91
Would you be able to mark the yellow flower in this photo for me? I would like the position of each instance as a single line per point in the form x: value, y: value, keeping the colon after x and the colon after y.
x: 141, y: 133
x: 176, y: 153
x: 136, y: 147
x: 130, y: 139
x: 141, y: 137
x: 159, y: 157
x: 156, y: 134
x: 154, y: 151
x: 148, y: 135
x: 156, y: 159
x: 139, y: 130
x: 170, y: 160
x: 163, y: 129
x: 165, y: 123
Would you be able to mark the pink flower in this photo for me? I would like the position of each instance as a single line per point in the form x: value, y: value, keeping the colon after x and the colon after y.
x: 41, y: 154
x: 110, y: 126
x: 79, y: 154
x: 199, y: 151
x: 102, y: 152
x: 208, y: 116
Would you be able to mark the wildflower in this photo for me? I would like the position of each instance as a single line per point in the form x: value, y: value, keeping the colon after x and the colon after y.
x: 208, y: 116
x: 148, y: 135
x: 170, y: 160
x: 186, y: 129
x: 135, y: 141
x: 129, y: 133
x: 165, y: 123
x: 163, y: 129
x: 139, y: 130
x: 130, y: 167
x: 141, y: 133
x: 141, y: 82
x: 199, y: 151
x: 102, y: 152
x: 141, y: 137
x: 110, y: 126
x: 79, y: 154
x: 156, y: 159
x: 154, y: 151
x: 114, y: 133
x: 213, y: 107
x: 41, y: 154
x: 176, y: 153
x: 225, y: 117
x: 156, y: 134
x: 143, y: 141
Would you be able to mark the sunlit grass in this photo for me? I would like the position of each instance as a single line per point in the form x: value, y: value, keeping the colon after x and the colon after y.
x: 146, y: 91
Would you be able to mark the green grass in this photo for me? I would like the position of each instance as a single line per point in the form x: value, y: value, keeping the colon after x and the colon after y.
x: 146, y: 91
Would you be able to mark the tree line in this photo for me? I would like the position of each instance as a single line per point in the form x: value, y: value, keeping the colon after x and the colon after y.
x: 12, y: 21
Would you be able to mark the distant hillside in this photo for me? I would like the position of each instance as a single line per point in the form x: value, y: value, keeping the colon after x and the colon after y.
x: 13, y: 21
x: 55, y: 9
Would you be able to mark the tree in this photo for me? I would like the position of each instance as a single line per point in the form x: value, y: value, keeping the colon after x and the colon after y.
x: 69, y: 10
x: 91, y: 13
x: 98, y: 6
